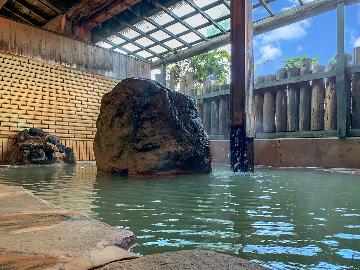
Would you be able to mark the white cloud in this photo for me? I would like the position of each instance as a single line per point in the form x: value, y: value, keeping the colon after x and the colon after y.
x: 268, y: 53
x: 299, y: 48
x: 357, y: 42
x: 292, y: 31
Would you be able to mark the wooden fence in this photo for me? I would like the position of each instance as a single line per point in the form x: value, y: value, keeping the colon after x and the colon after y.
x: 298, y: 102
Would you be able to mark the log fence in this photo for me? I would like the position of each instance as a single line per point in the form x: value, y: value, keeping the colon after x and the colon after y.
x: 293, y: 103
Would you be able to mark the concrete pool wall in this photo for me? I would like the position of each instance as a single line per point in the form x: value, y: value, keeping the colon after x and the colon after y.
x: 298, y: 152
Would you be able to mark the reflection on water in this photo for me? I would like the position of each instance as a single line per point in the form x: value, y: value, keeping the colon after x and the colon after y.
x: 284, y: 219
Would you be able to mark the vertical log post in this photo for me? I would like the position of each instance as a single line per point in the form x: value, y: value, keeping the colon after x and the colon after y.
x: 280, y: 103
x: 330, y: 101
x: 293, y: 102
x: 172, y: 83
x: 214, y: 110
x: 305, y: 97
x: 259, y: 103
x: 200, y: 108
x: 355, y: 91
x: 242, y: 70
x: 207, y: 109
x: 183, y: 84
x: 269, y: 106
x: 317, y: 101
x: 223, y: 113
x: 163, y: 75
x: 341, y: 87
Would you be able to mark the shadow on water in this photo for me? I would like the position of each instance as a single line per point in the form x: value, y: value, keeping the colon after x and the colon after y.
x: 285, y: 219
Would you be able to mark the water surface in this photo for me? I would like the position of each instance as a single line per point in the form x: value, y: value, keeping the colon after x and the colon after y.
x: 283, y: 219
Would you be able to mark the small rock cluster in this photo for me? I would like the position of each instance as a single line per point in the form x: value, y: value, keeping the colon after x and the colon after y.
x: 34, y: 146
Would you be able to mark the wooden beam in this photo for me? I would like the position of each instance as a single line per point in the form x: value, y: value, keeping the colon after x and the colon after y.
x: 2, y: 3
x: 108, y: 12
x: 241, y: 145
x: 279, y: 20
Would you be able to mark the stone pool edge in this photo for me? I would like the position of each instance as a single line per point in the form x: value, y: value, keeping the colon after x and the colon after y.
x: 39, y: 235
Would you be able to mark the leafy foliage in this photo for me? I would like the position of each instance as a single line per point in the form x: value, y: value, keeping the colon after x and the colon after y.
x: 295, y: 62
x: 214, y: 64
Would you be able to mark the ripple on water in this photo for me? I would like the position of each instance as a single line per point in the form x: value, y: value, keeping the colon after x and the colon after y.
x: 284, y: 219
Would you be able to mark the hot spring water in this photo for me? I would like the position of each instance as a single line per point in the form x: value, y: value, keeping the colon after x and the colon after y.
x: 284, y: 219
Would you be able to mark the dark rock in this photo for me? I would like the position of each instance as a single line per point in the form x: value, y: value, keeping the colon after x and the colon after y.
x: 60, y: 147
x: 27, y: 146
x: 53, y: 139
x: 37, y: 132
x: 35, y: 146
x: 145, y: 128
x: 69, y: 156
x: 23, y: 135
x: 50, y: 153
x: 38, y: 156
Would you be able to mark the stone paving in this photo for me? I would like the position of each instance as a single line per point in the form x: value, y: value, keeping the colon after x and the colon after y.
x: 35, y: 234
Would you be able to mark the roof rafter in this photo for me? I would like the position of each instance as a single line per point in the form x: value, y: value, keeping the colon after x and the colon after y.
x: 284, y: 18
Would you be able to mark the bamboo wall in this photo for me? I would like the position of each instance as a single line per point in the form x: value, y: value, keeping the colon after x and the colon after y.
x: 55, y: 83
x: 35, y: 43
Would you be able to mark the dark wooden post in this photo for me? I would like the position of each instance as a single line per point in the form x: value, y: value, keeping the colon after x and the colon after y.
x: 214, y: 116
x: 305, y: 98
x: 223, y: 115
x: 242, y: 71
x: 163, y: 75
x: 330, y: 101
x: 355, y: 91
x: 207, y: 108
x: 280, y: 106
x: 317, y: 101
x: 269, y: 106
x: 293, y: 102
x: 258, y: 103
x: 341, y: 87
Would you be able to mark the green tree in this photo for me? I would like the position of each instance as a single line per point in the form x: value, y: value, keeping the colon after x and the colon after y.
x: 214, y: 64
x: 295, y: 62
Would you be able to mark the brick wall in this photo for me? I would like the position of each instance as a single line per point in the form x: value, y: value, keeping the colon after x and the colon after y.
x: 60, y: 100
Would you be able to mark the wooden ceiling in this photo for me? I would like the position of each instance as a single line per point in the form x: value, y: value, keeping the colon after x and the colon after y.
x: 75, y: 18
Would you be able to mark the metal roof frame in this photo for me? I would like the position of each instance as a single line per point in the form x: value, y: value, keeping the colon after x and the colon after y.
x: 162, y: 50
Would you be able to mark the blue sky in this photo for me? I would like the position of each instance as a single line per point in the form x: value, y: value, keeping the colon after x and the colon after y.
x: 315, y: 37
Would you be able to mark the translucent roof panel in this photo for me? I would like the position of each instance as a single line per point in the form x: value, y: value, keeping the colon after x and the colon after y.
x: 209, y: 31
x: 144, y: 41
x: 173, y: 43
x: 158, y: 49
x: 196, y: 20
x: 159, y: 35
x: 181, y: 26
x: 182, y: 9
x: 116, y: 39
x: 177, y: 28
x: 144, y: 54
x: 203, y: 3
x: 190, y: 37
x: 129, y: 33
x: 145, y: 26
x: 104, y: 44
x: 130, y: 47
x: 162, y: 18
x: 218, y: 11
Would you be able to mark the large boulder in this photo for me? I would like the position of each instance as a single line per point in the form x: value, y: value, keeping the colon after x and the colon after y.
x: 145, y: 128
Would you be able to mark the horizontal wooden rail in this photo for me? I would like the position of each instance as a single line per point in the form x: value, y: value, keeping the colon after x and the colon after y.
x: 297, y: 134
x: 353, y: 69
x: 297, y: 79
